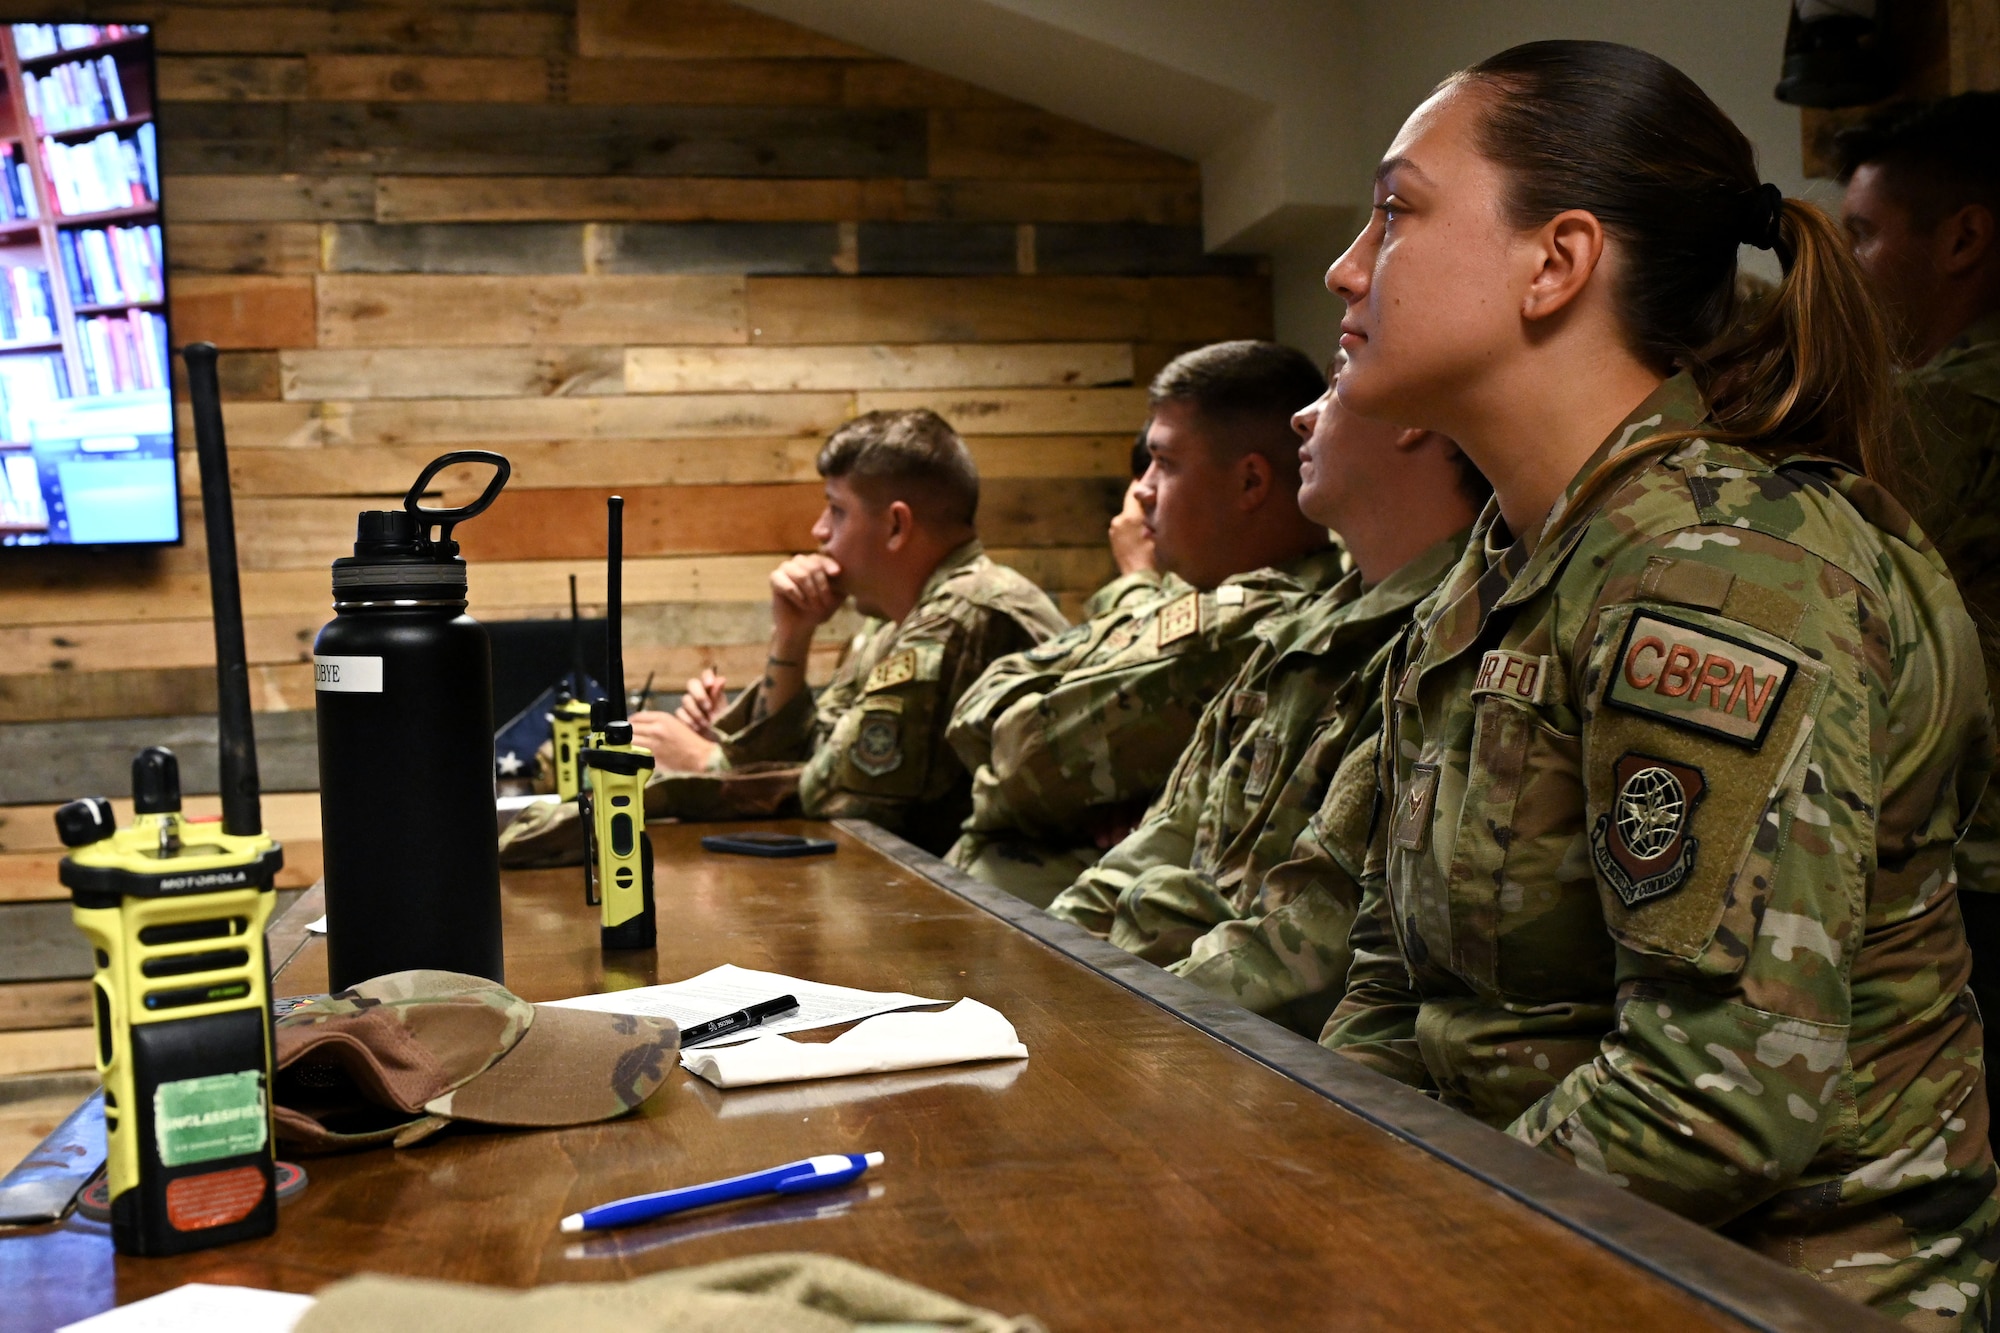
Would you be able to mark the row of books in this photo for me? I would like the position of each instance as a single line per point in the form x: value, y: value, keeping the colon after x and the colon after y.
x: 32, y: 40
x: 27, y: 306
x: 107, y: 172
x: 123, y: 353
x: 28, y: 384
x: 75, y: 96
x: 17, y: 186
x: 21, y: 503
x: 108, y: 265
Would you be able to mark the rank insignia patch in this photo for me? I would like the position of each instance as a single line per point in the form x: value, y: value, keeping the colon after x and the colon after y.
x: 1699, y: 679
x: 1180, y: 618
x: 1641, y: 845
x: 894, y: 671
x: 879, y: 747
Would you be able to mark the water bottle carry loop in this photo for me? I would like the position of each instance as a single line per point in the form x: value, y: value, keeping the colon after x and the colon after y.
x: 446, y: 519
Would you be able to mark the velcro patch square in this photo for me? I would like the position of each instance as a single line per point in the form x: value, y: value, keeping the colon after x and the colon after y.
x: 893, y: 671
x: 1180, y: 618
x: 1699, y: 679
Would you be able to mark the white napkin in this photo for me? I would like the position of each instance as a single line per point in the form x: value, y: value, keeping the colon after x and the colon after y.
x: 968, y: 1030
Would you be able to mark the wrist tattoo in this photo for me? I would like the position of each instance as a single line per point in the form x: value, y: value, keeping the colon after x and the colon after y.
x: 779, y: 661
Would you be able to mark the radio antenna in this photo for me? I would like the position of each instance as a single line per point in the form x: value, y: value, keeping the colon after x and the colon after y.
x: 576, y: 670
x: 242, y: 815
x: 614, y: 607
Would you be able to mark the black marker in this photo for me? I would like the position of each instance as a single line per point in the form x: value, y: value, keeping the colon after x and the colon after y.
x: 736, y: 1022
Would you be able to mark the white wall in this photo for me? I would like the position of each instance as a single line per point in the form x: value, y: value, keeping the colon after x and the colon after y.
x: 1288, y: 103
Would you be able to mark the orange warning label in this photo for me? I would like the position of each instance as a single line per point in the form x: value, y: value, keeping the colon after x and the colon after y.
x: 214, y: 1199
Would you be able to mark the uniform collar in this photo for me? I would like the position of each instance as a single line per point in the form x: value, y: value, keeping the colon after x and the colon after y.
x: 1983, y: 331
x: 1349, y: 604
x: 1495, y: 572
x: 1673, y: 407
x: 1322, y: 569
x: 951, y: 564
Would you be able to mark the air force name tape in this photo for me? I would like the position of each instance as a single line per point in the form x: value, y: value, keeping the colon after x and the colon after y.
x: 1699, y: 679
x: 1520, y: 676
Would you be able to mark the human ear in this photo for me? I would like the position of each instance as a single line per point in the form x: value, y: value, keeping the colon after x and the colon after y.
x: 1564, y: 252
x: 901, y: 524
x: 1253, y: 473
x: 1965, y: 239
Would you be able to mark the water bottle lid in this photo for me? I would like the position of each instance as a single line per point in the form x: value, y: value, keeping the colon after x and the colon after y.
x: 396, y: 557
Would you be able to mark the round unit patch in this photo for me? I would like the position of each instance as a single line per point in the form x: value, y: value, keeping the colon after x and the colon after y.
x: 1652, y: 805
x: 878, y: 749
x: 1641, y: 845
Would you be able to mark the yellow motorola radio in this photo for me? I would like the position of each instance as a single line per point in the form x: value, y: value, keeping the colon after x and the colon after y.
x: 175, y: 910
x: 569, y: 729
x: 569, y: 721
x: 618, y: 853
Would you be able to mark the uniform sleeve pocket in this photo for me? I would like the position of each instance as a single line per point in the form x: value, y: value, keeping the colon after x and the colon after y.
x: 1698, y: 728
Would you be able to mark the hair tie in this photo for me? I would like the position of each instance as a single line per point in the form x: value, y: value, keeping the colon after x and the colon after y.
x: 1758, y: 213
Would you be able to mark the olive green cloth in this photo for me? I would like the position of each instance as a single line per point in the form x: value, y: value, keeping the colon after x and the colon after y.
x: 767, y: 1293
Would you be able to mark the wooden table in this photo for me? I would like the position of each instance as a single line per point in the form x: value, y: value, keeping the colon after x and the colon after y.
x: 1162, y: 1160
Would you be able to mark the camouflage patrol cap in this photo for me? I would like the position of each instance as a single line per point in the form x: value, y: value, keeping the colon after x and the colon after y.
x: 398, y: 1057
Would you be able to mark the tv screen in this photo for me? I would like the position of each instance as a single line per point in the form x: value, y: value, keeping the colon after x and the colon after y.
x: 86, y: 409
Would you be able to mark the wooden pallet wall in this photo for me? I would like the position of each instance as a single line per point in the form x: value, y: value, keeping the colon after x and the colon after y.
x: 658, y: 246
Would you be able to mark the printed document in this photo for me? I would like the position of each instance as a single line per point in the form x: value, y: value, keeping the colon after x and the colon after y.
x: 200, y: 1307
x: 726, y: 989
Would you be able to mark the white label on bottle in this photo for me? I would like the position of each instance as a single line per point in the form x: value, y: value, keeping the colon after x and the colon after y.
x: 348, y: 675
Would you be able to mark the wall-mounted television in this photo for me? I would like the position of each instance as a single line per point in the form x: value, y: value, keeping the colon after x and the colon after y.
x: 86, y: 403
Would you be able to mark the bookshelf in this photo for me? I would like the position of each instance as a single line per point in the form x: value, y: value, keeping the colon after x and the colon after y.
x: 48, y: 261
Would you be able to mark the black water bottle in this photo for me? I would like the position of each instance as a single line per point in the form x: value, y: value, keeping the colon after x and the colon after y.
x: 404, y: 694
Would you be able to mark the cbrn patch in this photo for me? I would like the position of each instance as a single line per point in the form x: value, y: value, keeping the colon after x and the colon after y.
x: 1699, y: 679
x: 1641, y: 845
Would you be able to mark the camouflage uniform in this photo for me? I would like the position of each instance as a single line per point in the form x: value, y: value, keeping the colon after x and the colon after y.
x: 872, y: 746
x: 1955, y: 408
x: 1283, y: 952
x: 1086, y: 728
x: 1134, y: 589
x: 1257, y: 769
x: 1670, y: 795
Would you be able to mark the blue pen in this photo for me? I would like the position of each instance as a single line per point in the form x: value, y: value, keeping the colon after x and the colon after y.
x: 814, y: 1173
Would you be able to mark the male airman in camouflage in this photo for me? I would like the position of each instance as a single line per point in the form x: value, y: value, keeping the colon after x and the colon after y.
x: 1922, y: 205
x: 1670, y: 792
x: 1069, y: 742
x: 898, y: 537
x: 1267, y: 748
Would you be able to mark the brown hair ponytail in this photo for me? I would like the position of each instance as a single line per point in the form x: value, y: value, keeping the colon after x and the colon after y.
x: 1625, y: 136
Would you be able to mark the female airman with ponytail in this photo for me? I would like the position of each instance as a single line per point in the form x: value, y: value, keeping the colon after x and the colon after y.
x: 1675, y: 758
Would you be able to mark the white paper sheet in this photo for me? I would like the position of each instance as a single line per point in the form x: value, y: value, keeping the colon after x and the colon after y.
x: 726, y: 989
x: 967, y: 1031
x: 199, y: 1307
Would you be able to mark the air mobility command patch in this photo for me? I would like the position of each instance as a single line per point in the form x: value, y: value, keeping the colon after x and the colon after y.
x: 878, y: 746
x: 1641, y: 845
x: 1180, y: 618
x: 894, y: 671
x: 1699, y: 679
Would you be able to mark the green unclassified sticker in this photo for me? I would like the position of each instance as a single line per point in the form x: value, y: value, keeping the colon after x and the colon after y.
x: 201, y: 1119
